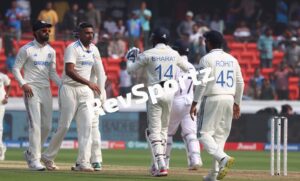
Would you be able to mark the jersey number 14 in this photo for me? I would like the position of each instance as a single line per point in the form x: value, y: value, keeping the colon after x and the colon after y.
x: 168, y: 73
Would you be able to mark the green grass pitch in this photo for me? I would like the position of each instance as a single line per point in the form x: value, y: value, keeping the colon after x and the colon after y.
x: 131, y: 165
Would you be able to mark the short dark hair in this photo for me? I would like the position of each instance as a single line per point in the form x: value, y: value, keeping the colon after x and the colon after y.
x: 215, y: 38
x: 84, y: 25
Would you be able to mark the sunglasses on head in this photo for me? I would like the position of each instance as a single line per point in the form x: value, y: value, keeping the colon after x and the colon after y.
x: 45, y: 30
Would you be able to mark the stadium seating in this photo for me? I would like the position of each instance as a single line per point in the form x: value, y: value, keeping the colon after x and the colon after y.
x: 246, y: 53
x: 248, y: 57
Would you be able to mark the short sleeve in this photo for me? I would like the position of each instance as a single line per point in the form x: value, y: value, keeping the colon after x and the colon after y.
x: 6, y: 80
x: 70, y: 55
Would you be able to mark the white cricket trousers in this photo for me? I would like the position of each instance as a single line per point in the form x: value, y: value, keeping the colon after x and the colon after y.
x: 180, y: 115
x: 214, y: 124
x: 75, y: 102
x: 2, y: 111
x: 96, y: 141
x: 39, y: 115
x: 158, y: 121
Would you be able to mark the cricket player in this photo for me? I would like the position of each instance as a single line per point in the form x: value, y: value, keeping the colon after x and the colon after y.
x: 220, y: 100
x: 160, y: 64
x: 96, y: 153
x: 38, y: 60
x: 180, y: 114
x: 4, y: 93
x: 75, y: 97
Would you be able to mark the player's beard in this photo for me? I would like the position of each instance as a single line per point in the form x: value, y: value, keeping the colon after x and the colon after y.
x: 45, y: 38
x: 207, y: 49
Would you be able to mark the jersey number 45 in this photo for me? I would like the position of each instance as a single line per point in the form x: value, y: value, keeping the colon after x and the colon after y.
x: 225, y: 78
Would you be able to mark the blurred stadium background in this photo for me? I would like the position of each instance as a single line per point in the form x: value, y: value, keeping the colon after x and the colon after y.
x: 270, y: 90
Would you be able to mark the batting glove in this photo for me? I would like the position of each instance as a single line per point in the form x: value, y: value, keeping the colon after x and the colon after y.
x: 132, y: 54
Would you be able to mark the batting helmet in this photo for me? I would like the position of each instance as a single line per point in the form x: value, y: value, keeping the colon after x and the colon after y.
x: 182, y: 47
x: 161, y: 35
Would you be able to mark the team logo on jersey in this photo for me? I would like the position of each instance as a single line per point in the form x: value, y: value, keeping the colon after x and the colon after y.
x: 49, y: 55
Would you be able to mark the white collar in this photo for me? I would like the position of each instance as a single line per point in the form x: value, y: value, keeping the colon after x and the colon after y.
x: 160, y: 45
x: 38, y: 44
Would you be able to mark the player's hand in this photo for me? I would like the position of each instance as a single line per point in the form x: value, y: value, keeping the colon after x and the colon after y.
x: 236, y: 111
x: 132, y: 54
x: 94, y: 88
x: 5, y: 100
x: 27, y: 90
x: 193, y: 110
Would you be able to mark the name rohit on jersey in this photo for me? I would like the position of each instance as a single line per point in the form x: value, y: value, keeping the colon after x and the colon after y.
x: 41, y: 63
x: 163, y: 58
x: 222, y: 63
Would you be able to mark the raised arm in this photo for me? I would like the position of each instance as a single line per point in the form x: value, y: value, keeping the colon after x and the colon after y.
x: 135, y: 60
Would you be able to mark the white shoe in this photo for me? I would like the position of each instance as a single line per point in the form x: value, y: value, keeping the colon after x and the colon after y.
x: 33, y: 165
x: 225, y: 165
x: 211, y: 177
x: 49, y: 164
x: 82, y: 168
x: 158, y: 173
x: 195, y: 165
x: 2, y: 153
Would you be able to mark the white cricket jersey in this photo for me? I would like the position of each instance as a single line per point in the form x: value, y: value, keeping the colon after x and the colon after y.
x: 187, y: 90
x: 84, y: 60
x: 227, y: 75
x: 160, y: 63
x: 39, y: 64
x: 4, y: 81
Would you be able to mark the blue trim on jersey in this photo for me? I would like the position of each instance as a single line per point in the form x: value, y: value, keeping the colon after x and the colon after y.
x: 76, y: 44
x: 28, y: 45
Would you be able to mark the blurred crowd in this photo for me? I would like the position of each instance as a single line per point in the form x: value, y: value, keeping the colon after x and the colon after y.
x: 120, y: 25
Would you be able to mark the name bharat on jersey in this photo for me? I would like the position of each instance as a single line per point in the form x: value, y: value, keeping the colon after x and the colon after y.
x: 163, y: 58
